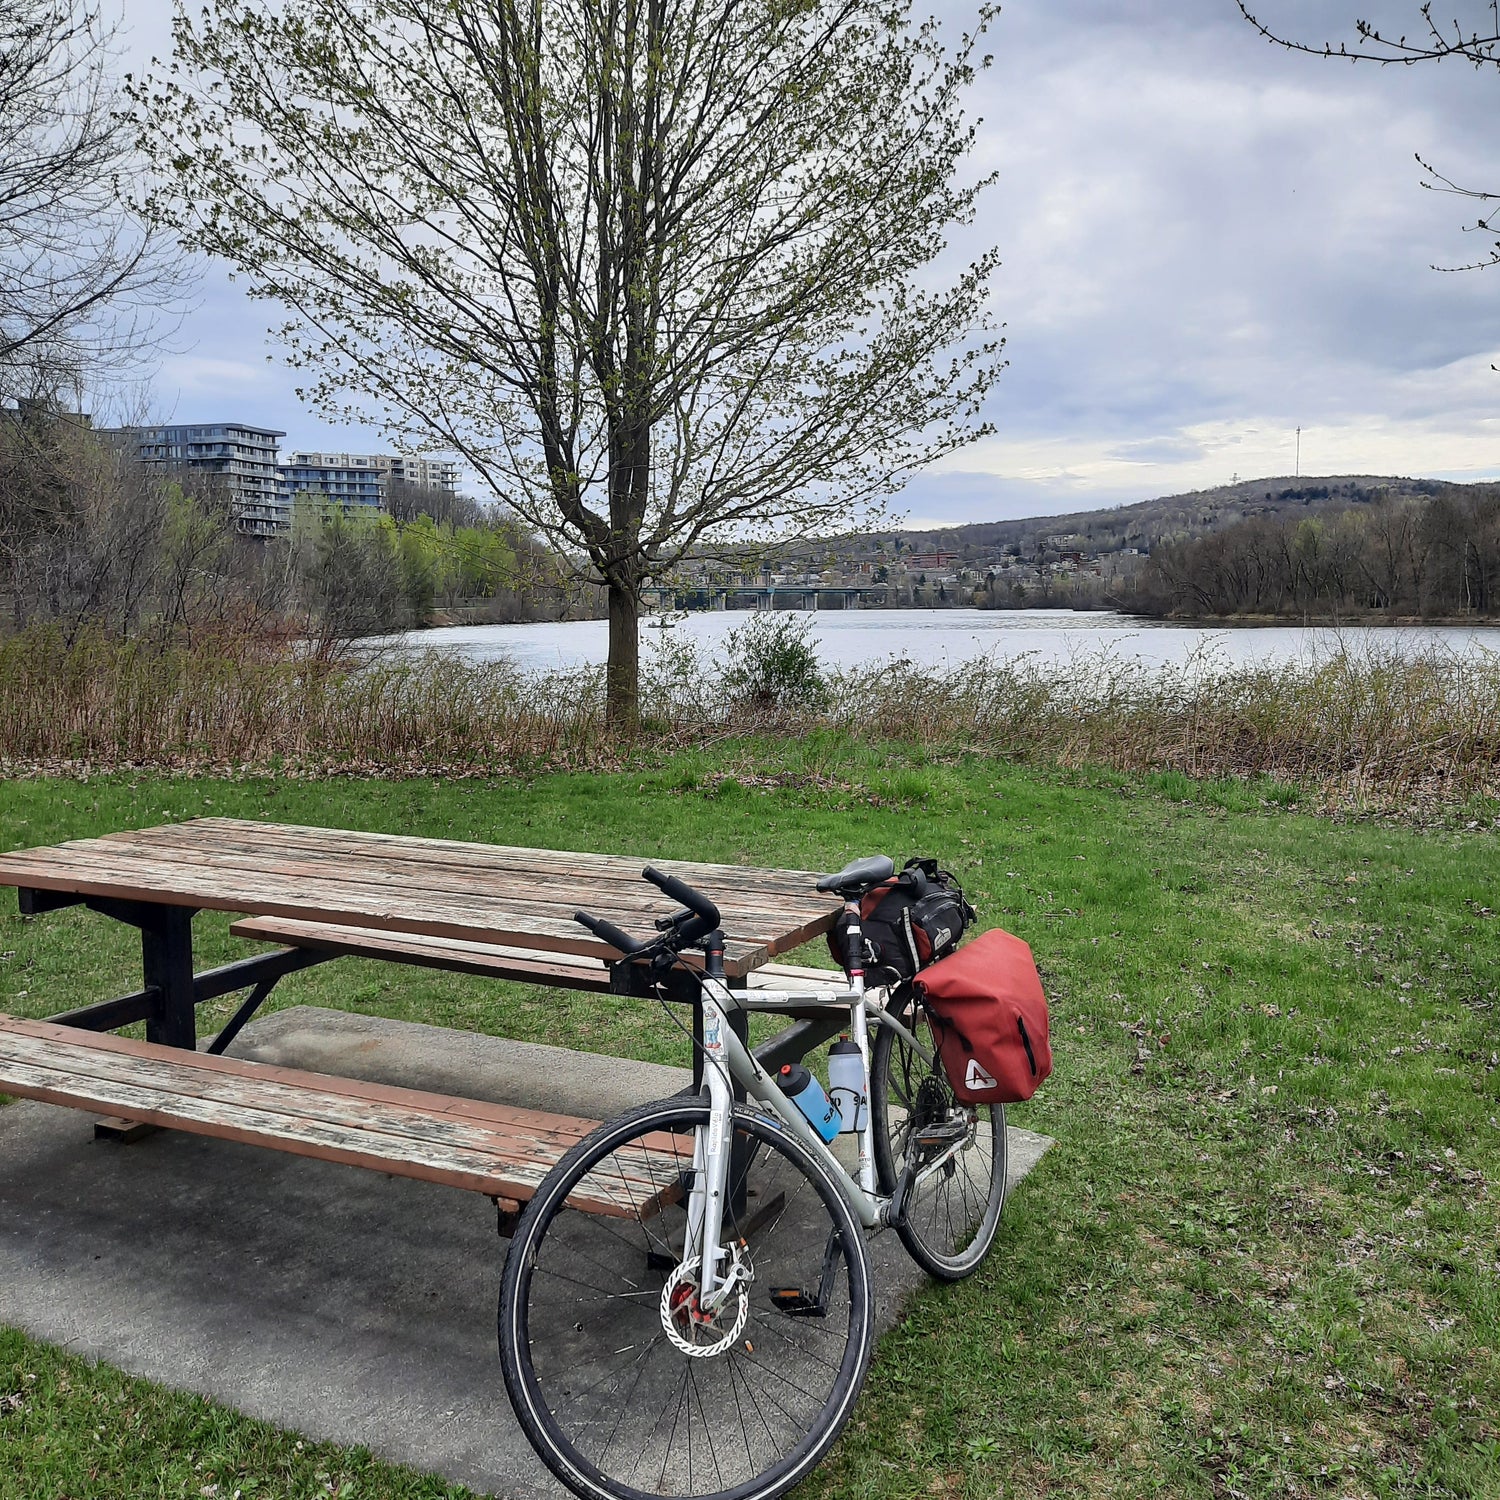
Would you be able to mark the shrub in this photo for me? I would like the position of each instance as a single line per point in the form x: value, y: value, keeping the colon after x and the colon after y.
x: 770, y: 664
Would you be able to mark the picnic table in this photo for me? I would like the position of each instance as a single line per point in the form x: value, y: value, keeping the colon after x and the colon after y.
x: 323, y: 893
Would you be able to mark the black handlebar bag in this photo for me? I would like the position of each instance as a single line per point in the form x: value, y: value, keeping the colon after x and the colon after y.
x: 907, y: 922
x: 989, y: 1018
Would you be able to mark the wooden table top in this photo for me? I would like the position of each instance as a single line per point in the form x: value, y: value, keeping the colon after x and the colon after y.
x: 442, y: 887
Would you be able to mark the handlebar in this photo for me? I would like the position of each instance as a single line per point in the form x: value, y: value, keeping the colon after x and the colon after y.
x: 684, y: 895
x: 610, y: 933
x: 696, y: 920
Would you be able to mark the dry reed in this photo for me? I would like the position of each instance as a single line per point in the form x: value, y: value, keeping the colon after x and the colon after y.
x: 1376, y: 722
x: 1384, y: 724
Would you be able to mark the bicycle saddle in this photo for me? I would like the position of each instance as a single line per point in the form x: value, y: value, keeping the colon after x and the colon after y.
x: 860, y: 874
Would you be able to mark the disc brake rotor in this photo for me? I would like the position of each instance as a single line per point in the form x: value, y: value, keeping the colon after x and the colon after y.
x: 698, y: 1331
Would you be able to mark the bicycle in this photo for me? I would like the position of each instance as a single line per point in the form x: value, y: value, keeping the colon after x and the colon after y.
x: 704, y: 1327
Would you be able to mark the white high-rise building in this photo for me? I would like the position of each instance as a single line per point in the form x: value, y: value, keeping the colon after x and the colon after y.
x: 436, y: 473
x: 355, y: 474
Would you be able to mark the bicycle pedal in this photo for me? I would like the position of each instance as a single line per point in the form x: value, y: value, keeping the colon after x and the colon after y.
x: 795, y: 1303
x: 943, y: 1134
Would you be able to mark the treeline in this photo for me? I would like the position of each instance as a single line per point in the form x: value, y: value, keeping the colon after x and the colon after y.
x: 90, y: 540
x: 1436, y: 556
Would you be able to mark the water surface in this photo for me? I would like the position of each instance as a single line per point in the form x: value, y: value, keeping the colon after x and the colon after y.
x: 946, y: 637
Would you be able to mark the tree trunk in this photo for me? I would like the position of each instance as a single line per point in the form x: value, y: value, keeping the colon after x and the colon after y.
x: 623, y: 674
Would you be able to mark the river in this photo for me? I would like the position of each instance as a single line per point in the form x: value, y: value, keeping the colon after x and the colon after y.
x: 946, y: 637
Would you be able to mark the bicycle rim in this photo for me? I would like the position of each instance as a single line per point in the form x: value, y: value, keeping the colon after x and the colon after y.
x: 607, y: 1396
x: 952, y: 1215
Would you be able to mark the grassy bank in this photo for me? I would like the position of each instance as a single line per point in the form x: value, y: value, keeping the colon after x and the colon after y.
x: 1355, y: 725
x: 1261, y: 1260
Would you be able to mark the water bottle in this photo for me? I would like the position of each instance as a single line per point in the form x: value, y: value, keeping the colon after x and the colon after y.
x: 846, y: 1084
x: 807, y: 1094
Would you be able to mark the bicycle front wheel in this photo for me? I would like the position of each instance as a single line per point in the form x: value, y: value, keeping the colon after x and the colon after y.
x: 624, y: 1383
x: 953, y: 1211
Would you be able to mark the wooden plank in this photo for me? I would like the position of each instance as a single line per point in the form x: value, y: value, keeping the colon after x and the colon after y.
x: 353, y: 879
x: 500, y: 1118
x: 568, y: 875
x: 470, y: 856
x: 171, y: 885
x: 550, y: 876
x: 493, y: 960
x: 500, y: 1115
x: 746, y: 913
x: 299, y: 1100
x: 636, y: 908
x: 476, y: 1172
x: 488, y: 960
x: 346, y: 905
x: 297, y: 1113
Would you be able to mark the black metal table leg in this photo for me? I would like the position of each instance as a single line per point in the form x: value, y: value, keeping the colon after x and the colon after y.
x: 167, y: 960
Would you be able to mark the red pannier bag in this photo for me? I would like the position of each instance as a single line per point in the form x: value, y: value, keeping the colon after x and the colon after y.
x: 989, y: 1017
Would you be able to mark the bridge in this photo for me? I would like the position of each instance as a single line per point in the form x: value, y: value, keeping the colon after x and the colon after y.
x: 804, y: 596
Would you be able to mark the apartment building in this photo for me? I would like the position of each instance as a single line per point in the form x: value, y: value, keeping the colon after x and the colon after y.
x: 436, y: 473
x: 261, y: 490
x: 359, y: 480
x: 352, y: 480
x: 244, y: 457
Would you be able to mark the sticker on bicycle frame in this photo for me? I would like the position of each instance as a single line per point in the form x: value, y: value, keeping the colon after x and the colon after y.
x: 712, y: 1036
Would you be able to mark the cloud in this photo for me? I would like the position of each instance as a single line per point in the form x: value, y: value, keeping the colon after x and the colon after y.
x: 1210, y: 243
x: 203, y: 375
x: 1207, y: 243
x: 1158, y: 451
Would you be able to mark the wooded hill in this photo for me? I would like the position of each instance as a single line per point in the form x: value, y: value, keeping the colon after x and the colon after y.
x: 1335, y: 547
x: 1179, y: 517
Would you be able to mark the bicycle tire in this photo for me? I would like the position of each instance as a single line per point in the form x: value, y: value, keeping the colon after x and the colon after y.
x: 584, y: 1309
x: 951, y: 1221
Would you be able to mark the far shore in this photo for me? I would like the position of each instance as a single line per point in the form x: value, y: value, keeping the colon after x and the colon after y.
x: 1319, y: 622
x: 467, y: 617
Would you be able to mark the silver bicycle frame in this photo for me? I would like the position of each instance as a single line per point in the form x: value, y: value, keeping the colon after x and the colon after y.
x: 727, y: 1061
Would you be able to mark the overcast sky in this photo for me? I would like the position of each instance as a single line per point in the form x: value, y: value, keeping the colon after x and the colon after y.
x: 1207, y: 243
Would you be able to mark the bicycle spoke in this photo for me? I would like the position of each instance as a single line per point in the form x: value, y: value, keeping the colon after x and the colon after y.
x: 598, y: 1352
x: 952, y: 1212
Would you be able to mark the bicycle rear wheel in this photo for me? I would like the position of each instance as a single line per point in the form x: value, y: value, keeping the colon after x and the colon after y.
x: 952, y: 1216
x: 624, y: 1385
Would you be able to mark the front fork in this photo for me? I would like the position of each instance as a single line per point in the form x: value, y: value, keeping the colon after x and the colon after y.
x: 711, y: 1159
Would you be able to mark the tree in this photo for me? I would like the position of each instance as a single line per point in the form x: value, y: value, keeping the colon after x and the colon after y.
x: 405, y: 500
x: 78, y: 277
x: 349, y: 571
x: 660, y: 270
x: 1477, y: 45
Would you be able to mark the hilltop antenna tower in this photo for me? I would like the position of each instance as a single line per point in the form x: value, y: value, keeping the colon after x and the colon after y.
x: 1298, y: 472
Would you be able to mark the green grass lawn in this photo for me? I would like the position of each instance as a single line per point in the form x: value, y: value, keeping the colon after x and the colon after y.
x: 1264, y: 1258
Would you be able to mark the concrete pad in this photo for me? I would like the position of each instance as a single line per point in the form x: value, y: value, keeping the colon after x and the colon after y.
x: 523, y: 1074
x: 341, y: 1303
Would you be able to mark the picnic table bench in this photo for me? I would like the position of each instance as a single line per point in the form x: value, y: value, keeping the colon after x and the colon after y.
x: 478, y: 909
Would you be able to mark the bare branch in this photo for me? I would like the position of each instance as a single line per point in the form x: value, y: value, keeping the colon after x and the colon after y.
x: 1481, y: 48
x: 81, y: 282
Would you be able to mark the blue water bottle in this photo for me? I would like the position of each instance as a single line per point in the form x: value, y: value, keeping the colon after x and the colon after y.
x: 807, y: 1094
